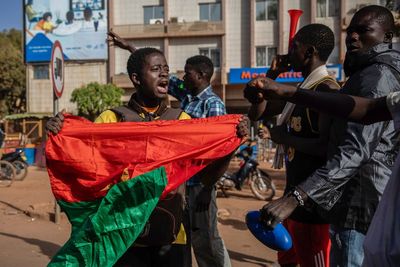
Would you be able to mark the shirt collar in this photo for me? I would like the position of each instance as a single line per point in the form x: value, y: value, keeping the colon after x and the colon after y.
x: 203, y: 95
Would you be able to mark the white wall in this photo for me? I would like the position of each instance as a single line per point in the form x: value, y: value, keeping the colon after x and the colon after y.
x: 131, y: 11
x: 40, y: 92
x: 266, y: 33
x: 183, y: 48
x: 237, y: 34
x: 187, y: 9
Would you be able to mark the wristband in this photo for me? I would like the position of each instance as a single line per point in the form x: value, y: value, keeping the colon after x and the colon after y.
x: 298, y: 197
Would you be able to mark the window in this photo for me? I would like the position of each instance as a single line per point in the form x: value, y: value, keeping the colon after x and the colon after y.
x: 264, y: 55
x: 41, y: 72
x: 266, y: 9
x: 153, y: 12
x: 213, y: 54
x: 328, y: 8
x: 210, y: 11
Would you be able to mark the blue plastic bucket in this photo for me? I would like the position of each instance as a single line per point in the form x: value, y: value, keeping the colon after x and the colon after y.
x: 30, y: 155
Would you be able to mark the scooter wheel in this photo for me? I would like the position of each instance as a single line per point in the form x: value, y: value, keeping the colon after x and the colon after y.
x: 7, y: 173
x: 21, y: 170
x: 262, y: 187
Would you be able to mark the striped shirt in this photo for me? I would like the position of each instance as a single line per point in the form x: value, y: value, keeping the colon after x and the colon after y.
x: 205, y: 104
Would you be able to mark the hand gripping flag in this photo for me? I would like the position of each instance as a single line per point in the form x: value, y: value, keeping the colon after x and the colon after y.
x: 108, y: 178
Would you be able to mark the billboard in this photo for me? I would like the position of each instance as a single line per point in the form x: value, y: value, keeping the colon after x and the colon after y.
x: 244, y: 75
x: 79, y: 25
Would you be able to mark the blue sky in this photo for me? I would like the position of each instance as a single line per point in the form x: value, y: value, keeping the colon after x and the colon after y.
x: 10, y: 14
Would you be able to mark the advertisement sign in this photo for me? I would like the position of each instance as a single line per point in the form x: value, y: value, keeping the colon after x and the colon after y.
x: 57, y: 69
x: 79, y: 25
x: 244, y: 75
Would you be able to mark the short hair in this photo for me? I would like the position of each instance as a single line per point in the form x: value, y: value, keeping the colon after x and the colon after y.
x: 70, y: 16
x: 137, y: 60
x: 381, y: 14
x: 202, y: 64
x: 46, y: 15
x: 318, y: 35
x: 87, y: 13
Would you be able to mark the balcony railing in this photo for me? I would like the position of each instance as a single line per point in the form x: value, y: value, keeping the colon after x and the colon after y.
x: 140, y: 30
x: 197, y: 28
x: 184, y: 29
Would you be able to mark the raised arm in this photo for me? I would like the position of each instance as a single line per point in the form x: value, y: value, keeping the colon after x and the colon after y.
x: 116, y: 40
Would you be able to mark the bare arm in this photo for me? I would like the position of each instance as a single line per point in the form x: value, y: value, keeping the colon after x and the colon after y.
x: 266, y: 110
x: 115, y: 39
x: 357, y: 109
x: 210, y: 174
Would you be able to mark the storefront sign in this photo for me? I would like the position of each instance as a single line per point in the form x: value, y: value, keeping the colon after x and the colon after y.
x: 244, y: 75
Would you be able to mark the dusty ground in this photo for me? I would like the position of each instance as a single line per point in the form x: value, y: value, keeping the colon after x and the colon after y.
x: 29, y: 238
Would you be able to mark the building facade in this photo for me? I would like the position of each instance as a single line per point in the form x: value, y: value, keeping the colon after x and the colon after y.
x: 240, y: 36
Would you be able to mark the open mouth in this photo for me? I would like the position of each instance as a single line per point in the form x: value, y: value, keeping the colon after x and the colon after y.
x: 162, y: 87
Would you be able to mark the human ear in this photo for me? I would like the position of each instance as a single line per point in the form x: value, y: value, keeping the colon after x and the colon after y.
x: 135, y: 79
x: 310, y: 51
x: 388, y: 37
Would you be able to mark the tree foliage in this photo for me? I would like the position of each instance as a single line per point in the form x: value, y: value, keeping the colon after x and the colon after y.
x: 94, y: 98
x: 12, y: 73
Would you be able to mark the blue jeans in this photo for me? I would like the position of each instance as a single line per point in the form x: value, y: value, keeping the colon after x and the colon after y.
x: 347, y: 247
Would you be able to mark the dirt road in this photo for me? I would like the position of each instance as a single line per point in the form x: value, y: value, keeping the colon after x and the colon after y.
x: 32, y: 241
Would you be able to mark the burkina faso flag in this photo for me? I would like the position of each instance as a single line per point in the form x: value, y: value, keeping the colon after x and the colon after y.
x: 108, y: 178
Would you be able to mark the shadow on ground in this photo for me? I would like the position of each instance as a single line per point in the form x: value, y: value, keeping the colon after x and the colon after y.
x: 12, y: 206
x: 47, y: 248
x: 235, y: 223
x: 250, y: 259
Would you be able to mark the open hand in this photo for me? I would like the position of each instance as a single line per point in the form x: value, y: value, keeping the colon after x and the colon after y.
x: 55, y: 123
x: 115, y: 39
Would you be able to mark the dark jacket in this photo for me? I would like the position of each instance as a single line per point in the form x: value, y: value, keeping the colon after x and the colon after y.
x: 360, y: 157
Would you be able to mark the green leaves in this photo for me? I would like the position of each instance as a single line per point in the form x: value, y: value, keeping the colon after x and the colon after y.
x: 94, y: 98
x: 12, y: 73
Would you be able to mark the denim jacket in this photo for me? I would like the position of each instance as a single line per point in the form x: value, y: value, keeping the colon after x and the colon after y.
x: 360, y: 157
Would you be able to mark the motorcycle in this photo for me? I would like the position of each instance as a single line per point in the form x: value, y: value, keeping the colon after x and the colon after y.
x: 260, y: 182
x: 18, y: 160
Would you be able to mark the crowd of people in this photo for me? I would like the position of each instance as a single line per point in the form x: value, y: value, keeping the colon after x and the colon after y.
x: 341, y: 147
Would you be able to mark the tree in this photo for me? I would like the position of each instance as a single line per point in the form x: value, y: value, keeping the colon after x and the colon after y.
x: 12, y: 73
x: 94, y: 98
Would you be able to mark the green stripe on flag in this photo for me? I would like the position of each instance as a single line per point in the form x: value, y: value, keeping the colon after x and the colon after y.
x: 103, y: 230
